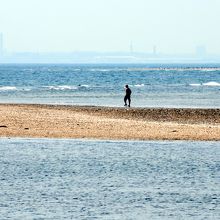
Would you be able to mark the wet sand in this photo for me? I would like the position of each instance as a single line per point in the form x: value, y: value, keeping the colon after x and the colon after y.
x: 55, y: 121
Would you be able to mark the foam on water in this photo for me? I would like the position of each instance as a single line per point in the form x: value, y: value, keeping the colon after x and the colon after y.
x: 139, y: 85
x: 211, y: 84
x: 104, y: 70
x: 61, y: 87
x: 7, y: 88
x: 86, y: 86
x: 195, y: 84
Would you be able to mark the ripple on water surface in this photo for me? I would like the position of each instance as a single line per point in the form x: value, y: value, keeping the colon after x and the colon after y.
x: 77, y: 179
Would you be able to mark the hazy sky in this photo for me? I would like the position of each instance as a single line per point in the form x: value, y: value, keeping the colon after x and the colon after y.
x: 174, y: 26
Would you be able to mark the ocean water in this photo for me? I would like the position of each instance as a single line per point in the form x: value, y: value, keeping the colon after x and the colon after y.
x: 152, y: 85
x: 82, y: 179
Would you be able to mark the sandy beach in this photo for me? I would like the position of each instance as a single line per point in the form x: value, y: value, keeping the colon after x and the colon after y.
x: 55, y: 121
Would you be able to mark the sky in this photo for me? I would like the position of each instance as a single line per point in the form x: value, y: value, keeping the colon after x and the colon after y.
x: 173, y: 26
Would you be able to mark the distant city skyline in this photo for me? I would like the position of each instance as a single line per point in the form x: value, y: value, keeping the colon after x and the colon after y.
x: 130, y: 56
x: 199, y: 50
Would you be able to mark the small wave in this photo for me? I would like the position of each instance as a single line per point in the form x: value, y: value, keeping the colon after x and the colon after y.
x: 27, y: 89
x: 205, y: 84
x: 64, y: 87
x: 139, y: 85
x: 103, y: 70
x: 8, y: 88
x: 86, y: 86
x: 195, y: 84
x: 177, y: 69
x: 210, y: 69
x: 211, y: 84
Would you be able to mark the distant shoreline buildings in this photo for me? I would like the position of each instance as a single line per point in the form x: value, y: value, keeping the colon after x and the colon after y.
x: 131, y: 56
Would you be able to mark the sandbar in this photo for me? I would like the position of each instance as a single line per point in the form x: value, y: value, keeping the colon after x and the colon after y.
x: 109, y: 123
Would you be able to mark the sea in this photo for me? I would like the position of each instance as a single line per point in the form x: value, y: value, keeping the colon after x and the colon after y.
x: 49, y: 179
x: 84, y: 179
x: 152, y: 85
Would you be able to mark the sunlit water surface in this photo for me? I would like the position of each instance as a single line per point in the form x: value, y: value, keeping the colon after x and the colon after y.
x: 186, y: 85
x: 80, y: 179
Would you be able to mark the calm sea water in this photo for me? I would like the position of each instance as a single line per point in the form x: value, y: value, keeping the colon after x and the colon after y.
x: 184, y: 86
x: 75, y: 179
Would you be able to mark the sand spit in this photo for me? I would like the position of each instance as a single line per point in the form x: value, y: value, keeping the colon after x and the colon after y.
x: 60, y: 121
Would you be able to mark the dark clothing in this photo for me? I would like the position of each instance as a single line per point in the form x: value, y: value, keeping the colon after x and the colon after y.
x: 128, y: 92
x: 127, y: 97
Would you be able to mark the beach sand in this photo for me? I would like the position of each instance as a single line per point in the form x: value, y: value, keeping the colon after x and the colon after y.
x: 58, y: 121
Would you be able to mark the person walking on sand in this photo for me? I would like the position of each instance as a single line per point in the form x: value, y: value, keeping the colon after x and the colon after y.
x: 127, y: 96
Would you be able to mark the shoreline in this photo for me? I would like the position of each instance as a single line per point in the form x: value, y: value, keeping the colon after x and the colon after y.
x: 110, y: 123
